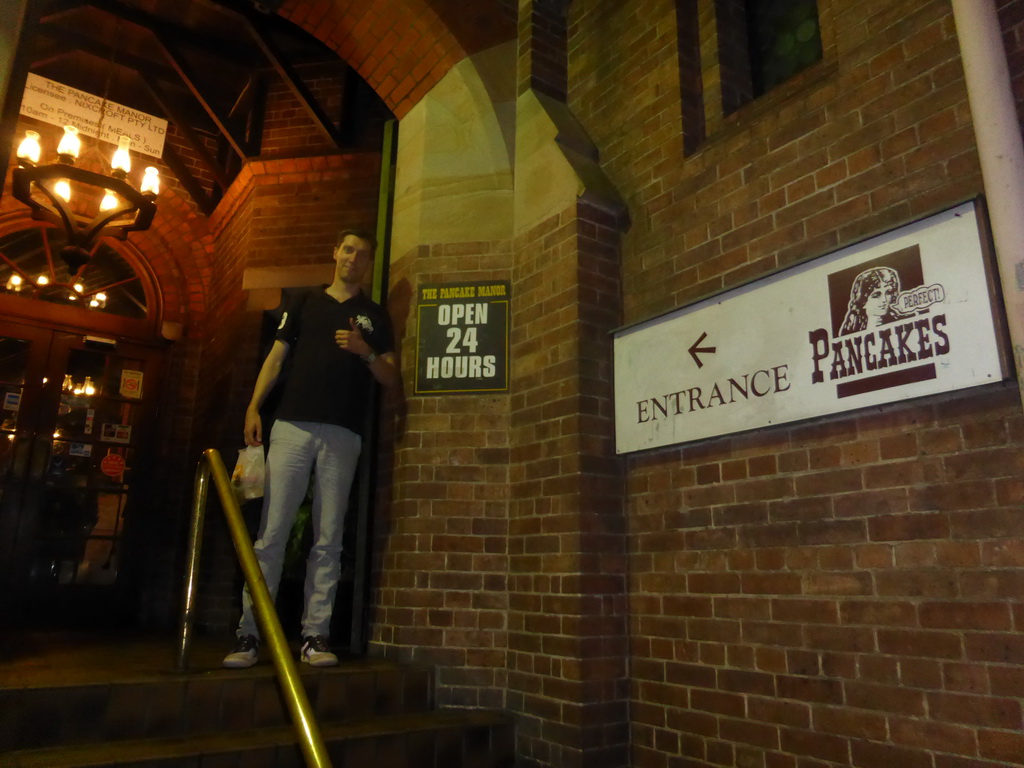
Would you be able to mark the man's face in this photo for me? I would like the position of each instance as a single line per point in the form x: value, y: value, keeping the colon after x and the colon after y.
x: 353, y: 257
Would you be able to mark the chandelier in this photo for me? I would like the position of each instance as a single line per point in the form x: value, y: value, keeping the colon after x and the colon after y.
x: 85, y: 204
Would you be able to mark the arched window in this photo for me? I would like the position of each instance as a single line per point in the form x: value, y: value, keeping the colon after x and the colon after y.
x: 31, y: 267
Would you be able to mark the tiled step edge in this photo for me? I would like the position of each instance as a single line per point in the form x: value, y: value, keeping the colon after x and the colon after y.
x: 487, y: 730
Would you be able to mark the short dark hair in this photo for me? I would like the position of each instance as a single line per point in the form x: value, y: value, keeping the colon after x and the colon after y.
x: 362, y: 234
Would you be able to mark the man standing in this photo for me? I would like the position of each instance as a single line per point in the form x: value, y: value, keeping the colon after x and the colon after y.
x: 340, y: 342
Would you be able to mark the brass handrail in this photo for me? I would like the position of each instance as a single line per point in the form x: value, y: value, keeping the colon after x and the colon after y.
x: 310, y: 740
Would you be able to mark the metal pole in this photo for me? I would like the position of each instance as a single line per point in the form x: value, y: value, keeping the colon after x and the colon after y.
x: 997, y: 131
x: 192, y: 568
x: 310, y: 740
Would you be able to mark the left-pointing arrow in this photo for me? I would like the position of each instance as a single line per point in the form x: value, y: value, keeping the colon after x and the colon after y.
x: 694, y: 349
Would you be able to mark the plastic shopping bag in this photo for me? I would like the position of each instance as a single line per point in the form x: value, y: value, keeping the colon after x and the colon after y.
x: 247, y: 479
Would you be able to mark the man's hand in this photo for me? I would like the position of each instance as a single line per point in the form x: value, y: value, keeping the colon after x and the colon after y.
x: 253, y: 427
x: 352, y: 340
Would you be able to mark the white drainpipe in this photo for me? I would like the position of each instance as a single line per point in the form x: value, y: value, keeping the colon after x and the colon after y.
x: 997, y: 131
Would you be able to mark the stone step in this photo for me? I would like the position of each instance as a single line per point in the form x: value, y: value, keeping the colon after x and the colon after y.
x: 182, y: 706
x: 440, y: 739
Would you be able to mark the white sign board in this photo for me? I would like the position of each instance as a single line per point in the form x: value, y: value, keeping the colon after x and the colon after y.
x: 905, y: 314
x: 59, y: 104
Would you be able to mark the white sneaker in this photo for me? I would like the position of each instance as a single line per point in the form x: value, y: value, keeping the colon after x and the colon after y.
x: 244, y: 654
x: 316, y: 652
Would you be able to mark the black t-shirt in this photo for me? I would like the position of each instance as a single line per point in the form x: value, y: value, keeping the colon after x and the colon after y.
x: 326, y: 383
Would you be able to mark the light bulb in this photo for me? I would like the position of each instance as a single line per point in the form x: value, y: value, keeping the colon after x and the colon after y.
x: 122, y: 161
x: 63, y: 190
x: 150, y: 181
x: 29, y: 149
x: 78, y: 287
x: 88, y: 387
x: 70, y: 145
x: 14, y: 283
x: 101, y: 297
x: 42, y: 280
x: 109, y: 201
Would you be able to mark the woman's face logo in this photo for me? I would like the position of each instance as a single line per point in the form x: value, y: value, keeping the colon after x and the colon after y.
x: 879, y: 300
x: 871, y: 300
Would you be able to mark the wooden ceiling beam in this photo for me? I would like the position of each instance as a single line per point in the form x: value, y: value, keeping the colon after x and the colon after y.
x: 245, y: 98
x: 267, y: 16
x: 47, y: 58
x: 84, y: 42
x: 220, y: 48
x: 187, y: 180
x: 59, y: 8
x: 266, y: 44
x: 184, y: 71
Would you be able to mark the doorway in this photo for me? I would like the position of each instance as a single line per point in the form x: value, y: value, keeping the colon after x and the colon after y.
x: 77, y: 419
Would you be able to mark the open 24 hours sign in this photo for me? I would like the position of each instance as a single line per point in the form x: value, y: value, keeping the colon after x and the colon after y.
x: 462, y: 338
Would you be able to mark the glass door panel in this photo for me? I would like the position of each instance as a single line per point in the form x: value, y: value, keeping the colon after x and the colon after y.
x: 23, y: 354
x: 14, y: 357
x: 75, y: 482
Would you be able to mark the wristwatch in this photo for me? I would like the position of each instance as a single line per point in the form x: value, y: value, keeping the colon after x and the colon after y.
x: 369, y: 358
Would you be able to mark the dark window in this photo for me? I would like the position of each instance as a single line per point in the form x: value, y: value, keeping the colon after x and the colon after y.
x: 783, y: 37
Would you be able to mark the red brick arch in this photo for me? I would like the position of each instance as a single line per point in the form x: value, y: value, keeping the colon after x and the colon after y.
x: 402, y: 48
x: 179, y: 250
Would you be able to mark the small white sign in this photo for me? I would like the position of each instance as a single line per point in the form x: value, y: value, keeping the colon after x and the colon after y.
x: 905, y: 314
x: 59, y: 104
x: 131, y: 384
x: 116, y: 433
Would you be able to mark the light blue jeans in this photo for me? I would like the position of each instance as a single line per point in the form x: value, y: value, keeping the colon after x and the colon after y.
x: 296, y: 447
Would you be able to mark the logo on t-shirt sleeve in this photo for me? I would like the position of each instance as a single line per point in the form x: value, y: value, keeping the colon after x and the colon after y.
x: 284, y: 319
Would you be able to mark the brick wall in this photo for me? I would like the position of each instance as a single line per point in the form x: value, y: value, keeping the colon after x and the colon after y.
x: 442, y: 527
x: 567, y: 590
x: 501, y: 537
x: 1011, y: 18
x: 401, y: 51
x: 404, y: 50
x: 846, y: 591
x: 288, y: 127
